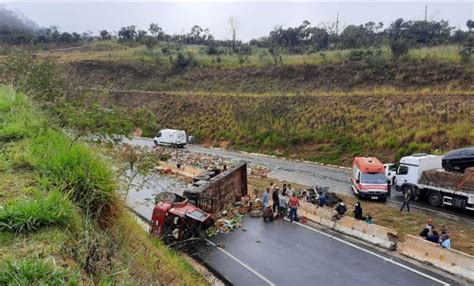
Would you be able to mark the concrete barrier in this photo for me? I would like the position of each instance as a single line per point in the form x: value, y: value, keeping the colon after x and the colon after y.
x: 375, y: 234
x: 449, y: 260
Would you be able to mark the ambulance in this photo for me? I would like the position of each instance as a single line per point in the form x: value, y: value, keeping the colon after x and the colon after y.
x: 368, y: 178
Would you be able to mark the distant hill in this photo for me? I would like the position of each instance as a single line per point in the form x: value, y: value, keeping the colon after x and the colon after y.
x: 10, y: 20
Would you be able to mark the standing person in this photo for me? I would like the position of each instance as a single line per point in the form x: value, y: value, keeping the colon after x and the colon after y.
x: 266, y: 198
x: 358, y: 211
x: 290, y: 191
x: 389, y: 188
x: 284, y: 189
x: 272, y: 187
x: 294, y: 204
x: 406, y: 201
x: 283, y: 205
x: 276, y: 200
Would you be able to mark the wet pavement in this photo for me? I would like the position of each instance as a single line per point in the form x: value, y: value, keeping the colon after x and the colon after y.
x: 282, y: 253
x: 311, y: 174
x: 290, y: 254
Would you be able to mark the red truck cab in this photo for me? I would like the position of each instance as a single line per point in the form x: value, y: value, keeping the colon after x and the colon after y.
x: 368, y: 178
x: 179, y: 220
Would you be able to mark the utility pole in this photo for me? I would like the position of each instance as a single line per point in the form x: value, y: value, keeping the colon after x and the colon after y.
x: 337, y: 23
x: 426, y: 11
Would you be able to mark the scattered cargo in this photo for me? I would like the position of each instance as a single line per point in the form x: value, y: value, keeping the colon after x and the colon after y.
x: 223, y: 196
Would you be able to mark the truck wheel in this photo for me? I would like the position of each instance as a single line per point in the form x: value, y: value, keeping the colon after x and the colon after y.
x: 165, y: 197
x: 435, y: 199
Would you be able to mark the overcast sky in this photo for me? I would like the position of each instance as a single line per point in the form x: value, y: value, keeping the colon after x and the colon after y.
x: 256, y: 18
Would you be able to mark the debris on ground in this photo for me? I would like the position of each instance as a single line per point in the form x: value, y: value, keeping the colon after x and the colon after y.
x: 259, y: 171
x: 258, y: 241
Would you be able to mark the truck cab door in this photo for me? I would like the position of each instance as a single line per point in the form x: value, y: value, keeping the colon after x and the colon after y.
x: 402, y: 175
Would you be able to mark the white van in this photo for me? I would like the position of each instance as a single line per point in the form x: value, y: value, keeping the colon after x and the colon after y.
x: 171, y: 137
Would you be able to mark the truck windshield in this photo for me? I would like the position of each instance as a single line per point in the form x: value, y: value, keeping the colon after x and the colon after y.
x: 373, y: 178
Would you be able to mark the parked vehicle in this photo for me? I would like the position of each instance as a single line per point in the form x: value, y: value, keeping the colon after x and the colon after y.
x: 368, y: 178
x: 423, y: 176
x: 390, y: 172
x: 458, y: 160
x: 171, y: 137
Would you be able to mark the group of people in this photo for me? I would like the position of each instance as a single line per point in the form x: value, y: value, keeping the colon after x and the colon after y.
x: 431, y: 234
x: 283, y: 199
x: 341, y: 210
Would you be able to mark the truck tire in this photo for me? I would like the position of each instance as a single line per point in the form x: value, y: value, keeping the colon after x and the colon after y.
x: 165, y: 197
x: 435, y: 199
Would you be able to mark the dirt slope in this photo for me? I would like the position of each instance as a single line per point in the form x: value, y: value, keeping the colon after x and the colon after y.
x: 290, y: 79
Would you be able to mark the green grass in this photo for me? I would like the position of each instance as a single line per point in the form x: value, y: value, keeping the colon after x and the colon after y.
x: 34, y: 272
x: 22, y: 215
x: 260, y: 57
x: 60, y: 220
x: 74, y: 169
x: 17, y: 116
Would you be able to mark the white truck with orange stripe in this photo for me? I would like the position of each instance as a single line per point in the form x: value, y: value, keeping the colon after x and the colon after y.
x: 368, y: 178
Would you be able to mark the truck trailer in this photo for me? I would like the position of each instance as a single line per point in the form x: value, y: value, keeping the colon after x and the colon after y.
x: 424, y: 176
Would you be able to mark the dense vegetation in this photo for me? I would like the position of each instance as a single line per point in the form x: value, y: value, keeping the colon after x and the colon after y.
x: 327, y: 127
x: 60, y: 219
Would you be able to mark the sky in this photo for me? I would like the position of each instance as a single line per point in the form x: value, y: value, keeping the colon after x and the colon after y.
x: 255, y: 19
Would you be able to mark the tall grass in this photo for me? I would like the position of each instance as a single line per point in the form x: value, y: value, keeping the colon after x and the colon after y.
x: 54, y: 209
x: 76, y: 170
x: 18, y: 118
x: 34, y: 272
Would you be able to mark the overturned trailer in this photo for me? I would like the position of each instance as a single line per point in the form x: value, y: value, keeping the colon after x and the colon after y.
x: 220, y: 191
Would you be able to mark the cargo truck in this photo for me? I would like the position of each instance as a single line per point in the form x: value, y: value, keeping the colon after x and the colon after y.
x: 424, y: 176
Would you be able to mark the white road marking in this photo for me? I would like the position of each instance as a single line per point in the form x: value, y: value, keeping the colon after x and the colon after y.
x: 241, y: 263
x: 375, y: 254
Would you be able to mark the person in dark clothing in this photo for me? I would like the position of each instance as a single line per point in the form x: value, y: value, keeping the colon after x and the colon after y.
x: 358, y: 211
x: 340, y: 210
x: 428, y: 229
x: 434, y: 237
x: 322, y: 199
x: 406, y: 201
x: 276, y: 200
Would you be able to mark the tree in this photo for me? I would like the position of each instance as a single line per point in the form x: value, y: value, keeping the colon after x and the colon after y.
x: 234, y: 27
x: 105, y: 35
x: 127, y: 34
x: 470, y: 25
x: 156, y: 31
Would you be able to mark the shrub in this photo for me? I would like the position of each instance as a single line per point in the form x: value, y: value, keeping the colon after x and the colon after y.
x: 29, y: 215
x: 75, y: 170
x: 399, y: 48
x: 34, y: 272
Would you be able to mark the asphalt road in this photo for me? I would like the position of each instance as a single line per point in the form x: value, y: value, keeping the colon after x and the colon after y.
x: 311, y: 174
x: 284, y: 253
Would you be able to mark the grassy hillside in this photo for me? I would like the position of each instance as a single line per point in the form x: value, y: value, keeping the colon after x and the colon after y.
x: 275, y: 79
x: 328, y: 128
x: 61, y: 221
